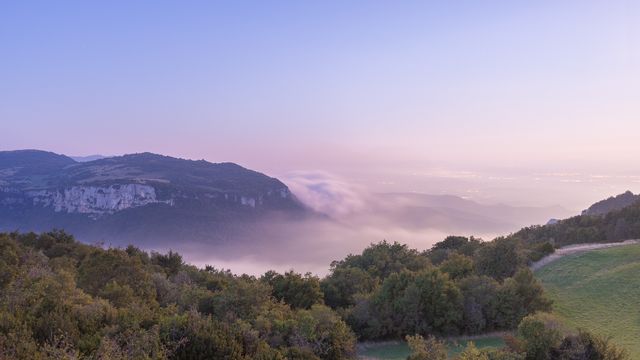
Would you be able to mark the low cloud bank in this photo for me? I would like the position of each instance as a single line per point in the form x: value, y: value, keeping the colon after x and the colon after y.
x: 355, y: 219
x: 326, y: 193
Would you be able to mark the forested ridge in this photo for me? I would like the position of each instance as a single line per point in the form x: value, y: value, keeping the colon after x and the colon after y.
x: 615, y: 225
x: 62, y: 299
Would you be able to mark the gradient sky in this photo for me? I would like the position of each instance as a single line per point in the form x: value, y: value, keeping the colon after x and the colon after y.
x: 484, y: 98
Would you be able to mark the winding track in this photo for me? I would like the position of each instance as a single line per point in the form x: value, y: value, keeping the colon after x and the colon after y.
x: 575, y: 249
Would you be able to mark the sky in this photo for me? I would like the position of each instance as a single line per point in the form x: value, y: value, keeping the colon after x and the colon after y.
x: 499, y: 101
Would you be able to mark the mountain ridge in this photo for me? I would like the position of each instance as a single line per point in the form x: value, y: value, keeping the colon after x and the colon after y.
x: 612, y: 203
x: 39, y: 187
x: 615, y: 225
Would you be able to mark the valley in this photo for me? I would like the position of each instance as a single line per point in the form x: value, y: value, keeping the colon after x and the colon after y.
x: 319, y: 180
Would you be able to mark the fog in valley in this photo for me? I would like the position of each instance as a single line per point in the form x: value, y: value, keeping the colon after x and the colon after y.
x: 348, y: 217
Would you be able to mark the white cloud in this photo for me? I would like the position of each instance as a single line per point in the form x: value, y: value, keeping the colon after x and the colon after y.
x: 326, y: 193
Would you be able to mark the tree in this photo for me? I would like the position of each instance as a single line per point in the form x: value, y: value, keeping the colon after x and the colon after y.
x: 383, y: 259
x: 451, y: 243
x: 588, y: 346
x: 322, y: 330
x: 471, y: 352
x: 502, y: 354
x: 540, y: 250
x: 499, y: 259
x: 426, y: 349
x: 458, y: 266
x: 530, y: 292
x: 171, y: 262
x: 300, y: 292
x: 243, y: 299
x: 480, y: 295
x: 388, y: 304
x: 343, y: 284
x: 539, y: 334
x: 9, y: 257
x: 296, y: 353
x: 201, y: 338
x: 602, y: 348
x: 432, y: 303
x: 101, y: 267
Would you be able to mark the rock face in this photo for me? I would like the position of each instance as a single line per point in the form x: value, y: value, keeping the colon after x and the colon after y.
x: 612, y: 204
x: 94, y: 200
x: 135, y: 194
x: 552, y: 222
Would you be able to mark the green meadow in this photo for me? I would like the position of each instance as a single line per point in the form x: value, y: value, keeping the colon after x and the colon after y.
x: 399, y: 350
x: 599, y: 291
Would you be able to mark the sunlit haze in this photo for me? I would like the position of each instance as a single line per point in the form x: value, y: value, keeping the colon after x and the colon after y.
x: 476, y: 99
x: 497, y: 102
x: 320, y: 179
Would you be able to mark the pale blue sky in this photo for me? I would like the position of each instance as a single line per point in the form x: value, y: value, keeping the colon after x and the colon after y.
x: 391, y: 87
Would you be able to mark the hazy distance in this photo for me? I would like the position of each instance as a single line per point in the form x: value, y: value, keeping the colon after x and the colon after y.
x: 497, y: 103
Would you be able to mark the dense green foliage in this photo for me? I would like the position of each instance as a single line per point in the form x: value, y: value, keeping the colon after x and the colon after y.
x: 599, y: 291
x: 539, y: 337
x: 294, y: 289
x: 390, y: 291
x: 62, y: 299
x: 613, y: 226
x: 426, y: 349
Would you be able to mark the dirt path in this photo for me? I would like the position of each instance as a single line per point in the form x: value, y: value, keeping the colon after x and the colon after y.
x: 575, y: 249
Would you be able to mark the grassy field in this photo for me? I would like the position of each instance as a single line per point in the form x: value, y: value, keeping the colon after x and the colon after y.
x: 399, y: 350
x: 599, y: 291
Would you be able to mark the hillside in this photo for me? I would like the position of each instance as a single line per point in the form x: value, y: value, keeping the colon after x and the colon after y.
x: 130, y: 198
x: 612, y: 204
x: 600, y: 291
x: 615, y: 225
